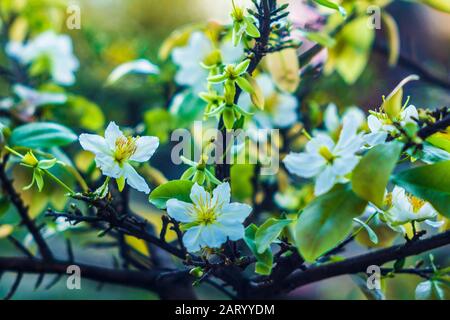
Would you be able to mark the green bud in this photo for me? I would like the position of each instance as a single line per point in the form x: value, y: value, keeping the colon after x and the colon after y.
x: 120, y: 183
x: 199, y: 177
x: 228, y: 117
x: 242, y: 67
x: 30, y: 160
x: 229, y: 92
x: 244, y: 85
x: 196, y: 272
x: 188, y: 173
x: 47, y: 164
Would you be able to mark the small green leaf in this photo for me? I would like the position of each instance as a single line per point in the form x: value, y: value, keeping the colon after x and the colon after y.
x: 371, y: 176
x: 268, y: 232
x: 326, y: 221
x: 244, y: 85
x: 251, y: 29
x: 264, y: 260
x: 429, y: 182
x: 120, y: 183
x: 42, y: 135
x: 175, y: 189
x: 321, y: 38
x: 372, y: 235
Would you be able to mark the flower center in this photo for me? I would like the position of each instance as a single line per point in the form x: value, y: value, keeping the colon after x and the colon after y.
x: 125, y: 148
x: 207, y: 216
x: 271, y: 104
x: 326, y: 154
x: 416, y: 203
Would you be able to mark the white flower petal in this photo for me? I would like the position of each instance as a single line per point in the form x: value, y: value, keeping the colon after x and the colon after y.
x: 213, y: 236
x: 112, y: 133
x: 141, y: 66
x: 325, y: 181
x: 234, y: 212
x: 305, y: 165
x: 409, y: 114
x: 343, y: 165
x: 374, y: 123
x: 145, y: 148
x: 192, y: 238
x: 94, y: 143
x: 426, y: 212
x: 108, y: 166
x: 356, y: 115
x: 134, y: 179
x: 434, y: 224
x: 319, y: 141
x: 180, y: 210
x: 348, y: 138
x: 199, y: 196
x: 375, y: 138
x: 331, y: 118
x: 233, y: 231
x: 222, y: 194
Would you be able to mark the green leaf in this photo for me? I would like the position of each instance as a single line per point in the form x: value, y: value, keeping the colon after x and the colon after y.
x: 264, y: 260
x: 268, y: 232
x: 175, y: 189
x: 332, y: 5
x: 159, y: 122
x: 430, y: 290
x: 371, y: 176
x: 42, y: 135
x: 326, y: 221
x: 393, y: 37
x: 321, y: 38
x: 429, y: 182
x: 187, y: 107
x: 372, y: 235
x: 251, y: 29
x: 393, y: 104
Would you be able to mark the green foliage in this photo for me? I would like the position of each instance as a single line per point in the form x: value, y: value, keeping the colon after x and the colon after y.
x: 326, y: 221
x: 268, y: 232
x: 42, y: 135
x: 431, y: 290
x: 175, y: 189
x: 159, y: 122
x: 241, y: 181
x: 430, y: 182
x: 187, y: 107
x: 265, y: 259
x: 371, y: 176
x: 372, y: 235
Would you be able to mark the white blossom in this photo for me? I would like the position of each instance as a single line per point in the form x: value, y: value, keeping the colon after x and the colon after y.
x: 404, y: 208
x: 56, y: 49
x: 326, y: 160
x: 380, y: 125
x: 115, y: 152
x: 209, y: 221
x: 31, y: 99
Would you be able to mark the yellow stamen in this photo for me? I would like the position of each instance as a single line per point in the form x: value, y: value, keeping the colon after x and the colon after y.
x: 125, y: 148
x: 326, y: 153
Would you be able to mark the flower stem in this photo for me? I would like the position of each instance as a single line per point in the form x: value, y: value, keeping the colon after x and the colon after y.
x: 58, y: 181
x: 14, y: 152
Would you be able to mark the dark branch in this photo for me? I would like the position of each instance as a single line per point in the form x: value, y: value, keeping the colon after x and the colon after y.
x: 149, y: 280
x: 23, y: 212
x: 354, y: 264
